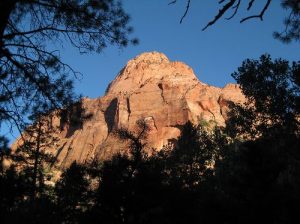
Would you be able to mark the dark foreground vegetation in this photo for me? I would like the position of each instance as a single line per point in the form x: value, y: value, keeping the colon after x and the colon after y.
x: 248, y: 172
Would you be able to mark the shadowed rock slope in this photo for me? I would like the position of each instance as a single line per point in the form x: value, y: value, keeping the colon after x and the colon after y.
x: 165, y: 94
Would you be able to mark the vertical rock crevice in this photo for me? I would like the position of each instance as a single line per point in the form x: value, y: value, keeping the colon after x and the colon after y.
x: 128, y: 108
x: 109, y: 114
x: 160, y: 86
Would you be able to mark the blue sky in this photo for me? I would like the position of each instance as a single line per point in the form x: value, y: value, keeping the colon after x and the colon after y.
x: 213, y: 54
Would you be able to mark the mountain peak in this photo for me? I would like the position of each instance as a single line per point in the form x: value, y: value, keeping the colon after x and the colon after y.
x: 150, y: 57
x: 150, y: 87
x: 150, y: 68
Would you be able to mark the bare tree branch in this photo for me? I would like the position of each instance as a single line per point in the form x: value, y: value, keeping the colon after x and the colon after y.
x: 186, y: 10
x: 220, y: 14
x: 172, y: 2
x: 250, y: 4
x: 260, y: 16
x: 236, y: 7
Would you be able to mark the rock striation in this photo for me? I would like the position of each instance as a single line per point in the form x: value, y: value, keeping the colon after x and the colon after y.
x: 165, y: 94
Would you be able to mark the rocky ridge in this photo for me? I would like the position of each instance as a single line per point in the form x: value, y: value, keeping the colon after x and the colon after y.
x: 165, y: 94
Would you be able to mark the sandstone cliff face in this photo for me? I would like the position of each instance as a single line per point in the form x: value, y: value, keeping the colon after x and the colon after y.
x: 165, y: 94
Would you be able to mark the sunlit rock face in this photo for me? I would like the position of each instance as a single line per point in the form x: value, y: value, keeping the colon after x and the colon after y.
x: 165, y: 94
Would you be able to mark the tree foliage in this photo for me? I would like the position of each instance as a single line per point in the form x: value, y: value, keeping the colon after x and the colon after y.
x: 292, y: 22
x: 32, y: 75
x: 72, y: 191
x: 272, y: 91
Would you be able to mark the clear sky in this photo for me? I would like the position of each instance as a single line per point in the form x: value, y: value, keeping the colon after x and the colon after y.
x: 213, y: 54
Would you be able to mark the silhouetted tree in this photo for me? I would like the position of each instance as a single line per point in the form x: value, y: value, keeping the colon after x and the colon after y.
x: 272, y: 93
x: 72, y: 192
x: 292, y: 22
x: 31, y: 73
x: 32, y: 156
x: 192, y: 156
x: 4, y: 151
x: 12, y: 191
x: 259, y: 176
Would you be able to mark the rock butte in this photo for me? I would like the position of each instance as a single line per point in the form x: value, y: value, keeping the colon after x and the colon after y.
x: 165, y: 94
